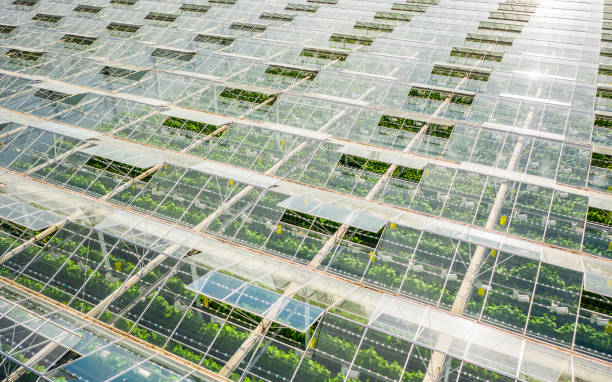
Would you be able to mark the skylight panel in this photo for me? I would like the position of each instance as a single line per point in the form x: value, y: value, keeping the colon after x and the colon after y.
x: 25, y: 214
x: 286, y: 311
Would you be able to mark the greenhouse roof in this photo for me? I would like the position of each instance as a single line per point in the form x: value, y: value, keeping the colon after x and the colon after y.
x: 320, y: 190
x: 25, y: 214
x: 255, y: 299
x: 333, y: 213
x: 59, y: 88
x: 120, y: 154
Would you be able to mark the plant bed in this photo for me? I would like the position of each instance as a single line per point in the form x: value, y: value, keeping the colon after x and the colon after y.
x: 409, y: 7
x: 65, y: 274
x: 78, y: 40
x: 476, y: 54
x: 596, y: 302
x: 500, y: 27
x: 286, y: 71
x: 440, y: 95
x: 604, y: 92
x: 47, y: 18
x: 247, y: 96
x: 214, y: 39
x: 593, y: 336
x: 403, y: 124
x: 377, y: 27
x: 24, y: 55
x: 248, y: 27
x: 185, y: 124
x: 194, y: 8
x: 276, y: 16
x: 172, y: 54
x: 480, y: 38
x: 325, y: 54
x: 27, y: 3
x: 301, y: 7
x: 8, y: 241
x: 82, y: 8
x: 597, y: 240
x: 599, y: 216
x: 351, y: 39
x: 439, y: 131
x: 363, y: 164
x: 362, y: 237
x: 198, y: 195
x: 164, y: 17
x: 507, y: 16
x: 601, y: 160
x: 396, y: 16
x: 120, y: 27
x: 460, y: 73
x: 603, y: 121
x: 310, y: 222
x: 6, y: 29
x: 114, y: 167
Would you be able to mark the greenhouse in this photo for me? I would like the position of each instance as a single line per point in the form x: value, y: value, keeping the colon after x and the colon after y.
x: 308, y: 191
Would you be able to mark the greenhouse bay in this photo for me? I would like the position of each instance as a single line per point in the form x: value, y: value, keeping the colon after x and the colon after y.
x: 307, y: 191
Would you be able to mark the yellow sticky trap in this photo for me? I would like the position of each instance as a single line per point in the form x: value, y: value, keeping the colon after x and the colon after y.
x: 609, y: 327
x: 118, y: 266
x: 231, y: 183
x: 282, y: 143
x: 610, y: 246
x: 609, y: 283
x: 259, y: 160
x: 493, y: 252
x: 502, y: 220
x: 197, y: 147
x: 481, y: 291
x: 392, y: 226
x: 312, y: 343
x: 279, y: 230
x: 427, y: 173
x: 372, y: 256
x: 165, y: 166
x: 133, y: 187
x: 206, y: 301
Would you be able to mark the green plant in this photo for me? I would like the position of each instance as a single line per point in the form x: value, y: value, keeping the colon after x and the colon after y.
x: 245, y: 95
x: 600, y: 216
x: 185, y: 124
x: 364, y: 164
x: 114, y: 167
x: 370, y: 360
x: 409, y: 174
